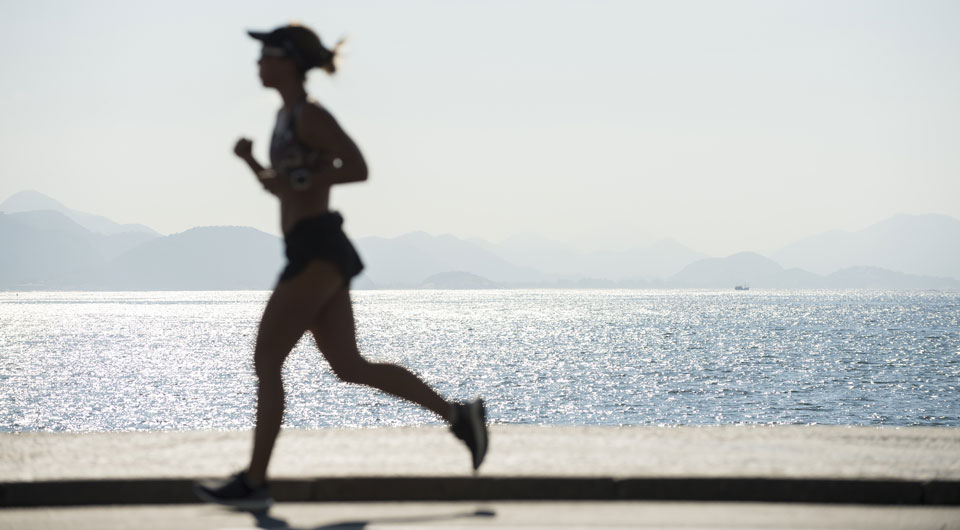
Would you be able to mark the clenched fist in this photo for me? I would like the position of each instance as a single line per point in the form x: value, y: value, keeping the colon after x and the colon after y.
x: 244, y: 148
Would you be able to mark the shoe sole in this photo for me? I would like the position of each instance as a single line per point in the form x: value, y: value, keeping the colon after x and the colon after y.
x: 253, y: 506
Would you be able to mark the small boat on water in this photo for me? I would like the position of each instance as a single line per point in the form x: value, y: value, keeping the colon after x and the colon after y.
x: 742, y: 288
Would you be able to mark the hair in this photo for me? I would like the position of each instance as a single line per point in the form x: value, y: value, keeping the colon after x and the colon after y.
x: 312, y: 52
x: 328, y: 63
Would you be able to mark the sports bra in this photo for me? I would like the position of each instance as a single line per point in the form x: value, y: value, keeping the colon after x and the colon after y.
x: 290, y: 157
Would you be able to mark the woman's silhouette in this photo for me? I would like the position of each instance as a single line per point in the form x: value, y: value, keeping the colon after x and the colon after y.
x: 309, y: 153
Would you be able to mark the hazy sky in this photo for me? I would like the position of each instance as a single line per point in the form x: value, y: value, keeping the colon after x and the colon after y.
x: 604, y: 124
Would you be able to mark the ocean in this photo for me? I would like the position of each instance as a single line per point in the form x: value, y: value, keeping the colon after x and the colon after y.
x: 120, y: 361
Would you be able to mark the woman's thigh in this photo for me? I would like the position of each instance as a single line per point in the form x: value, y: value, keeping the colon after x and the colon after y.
x: 334, y: 330
x: 292, y: 309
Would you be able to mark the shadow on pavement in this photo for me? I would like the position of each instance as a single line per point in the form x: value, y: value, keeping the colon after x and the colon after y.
x: 265, y: 520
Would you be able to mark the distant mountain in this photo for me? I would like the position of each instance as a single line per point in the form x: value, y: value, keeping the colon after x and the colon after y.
x: 31, y: 254
x: 416, y: 258
x: 407, y: 261
x: 747, y: 268
x: 30, y: 201
x: 927, y: 245
x: 45, y: 245
x: 877, y: 278
x: 660, y: 260
x: 534, y: 252
x: 754, y: 270
x: 107, y: 246
x: 419, y: 259
x: 46, y: 250
x: 208, y: 258
x: 40, y: 246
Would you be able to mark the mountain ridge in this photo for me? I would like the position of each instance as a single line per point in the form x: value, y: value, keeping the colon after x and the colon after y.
x: 51, y: 250
x: 31, y: 200
x: 925, y: 245
x: 758, y: 271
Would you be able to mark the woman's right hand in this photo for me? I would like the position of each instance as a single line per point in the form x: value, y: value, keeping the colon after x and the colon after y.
x: 244, y: 148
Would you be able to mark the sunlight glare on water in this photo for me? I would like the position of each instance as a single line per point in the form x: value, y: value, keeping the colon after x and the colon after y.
x: 183, y: 360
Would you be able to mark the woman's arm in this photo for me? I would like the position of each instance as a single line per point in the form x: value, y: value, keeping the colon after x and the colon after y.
x: 266, y: 177
x: 342, y: 161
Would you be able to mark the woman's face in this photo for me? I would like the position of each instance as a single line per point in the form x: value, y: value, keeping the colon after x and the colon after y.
x: 275, y: 67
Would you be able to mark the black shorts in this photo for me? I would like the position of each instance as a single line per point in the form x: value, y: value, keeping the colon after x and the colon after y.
x: 320, y: 238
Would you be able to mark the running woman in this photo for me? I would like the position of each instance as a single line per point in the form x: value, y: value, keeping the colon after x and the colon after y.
x: 309, y: 153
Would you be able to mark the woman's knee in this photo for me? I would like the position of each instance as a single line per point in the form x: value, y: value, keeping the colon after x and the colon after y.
x: 353, y: 370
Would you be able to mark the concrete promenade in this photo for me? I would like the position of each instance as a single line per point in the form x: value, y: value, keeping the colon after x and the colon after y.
x: 525, y: 515
x: 798, y: 464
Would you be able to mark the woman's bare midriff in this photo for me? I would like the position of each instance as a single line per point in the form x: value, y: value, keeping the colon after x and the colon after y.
x: 296, y: 206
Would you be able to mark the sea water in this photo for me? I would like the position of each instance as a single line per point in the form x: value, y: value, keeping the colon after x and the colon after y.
x: 91, y: 361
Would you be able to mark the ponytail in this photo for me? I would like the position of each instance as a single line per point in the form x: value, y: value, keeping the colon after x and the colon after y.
x: 328, y: 61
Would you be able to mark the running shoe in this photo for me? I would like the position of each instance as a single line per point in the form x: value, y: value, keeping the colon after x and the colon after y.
x: 236, y: 492
x: 470, y: 425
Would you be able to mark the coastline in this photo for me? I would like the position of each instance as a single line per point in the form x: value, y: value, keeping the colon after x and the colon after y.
x: 873, y: 465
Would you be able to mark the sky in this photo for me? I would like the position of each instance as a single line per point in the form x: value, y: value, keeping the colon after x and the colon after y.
x: 728, y: 126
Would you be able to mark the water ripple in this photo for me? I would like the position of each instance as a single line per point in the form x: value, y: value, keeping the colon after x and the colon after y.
x: 182, y: 360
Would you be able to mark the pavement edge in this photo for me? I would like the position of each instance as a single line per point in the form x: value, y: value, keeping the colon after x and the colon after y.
x: 179, y: 491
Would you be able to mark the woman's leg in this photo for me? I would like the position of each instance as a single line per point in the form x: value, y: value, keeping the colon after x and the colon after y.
x: 334, y: 331
x: 291, y: 310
